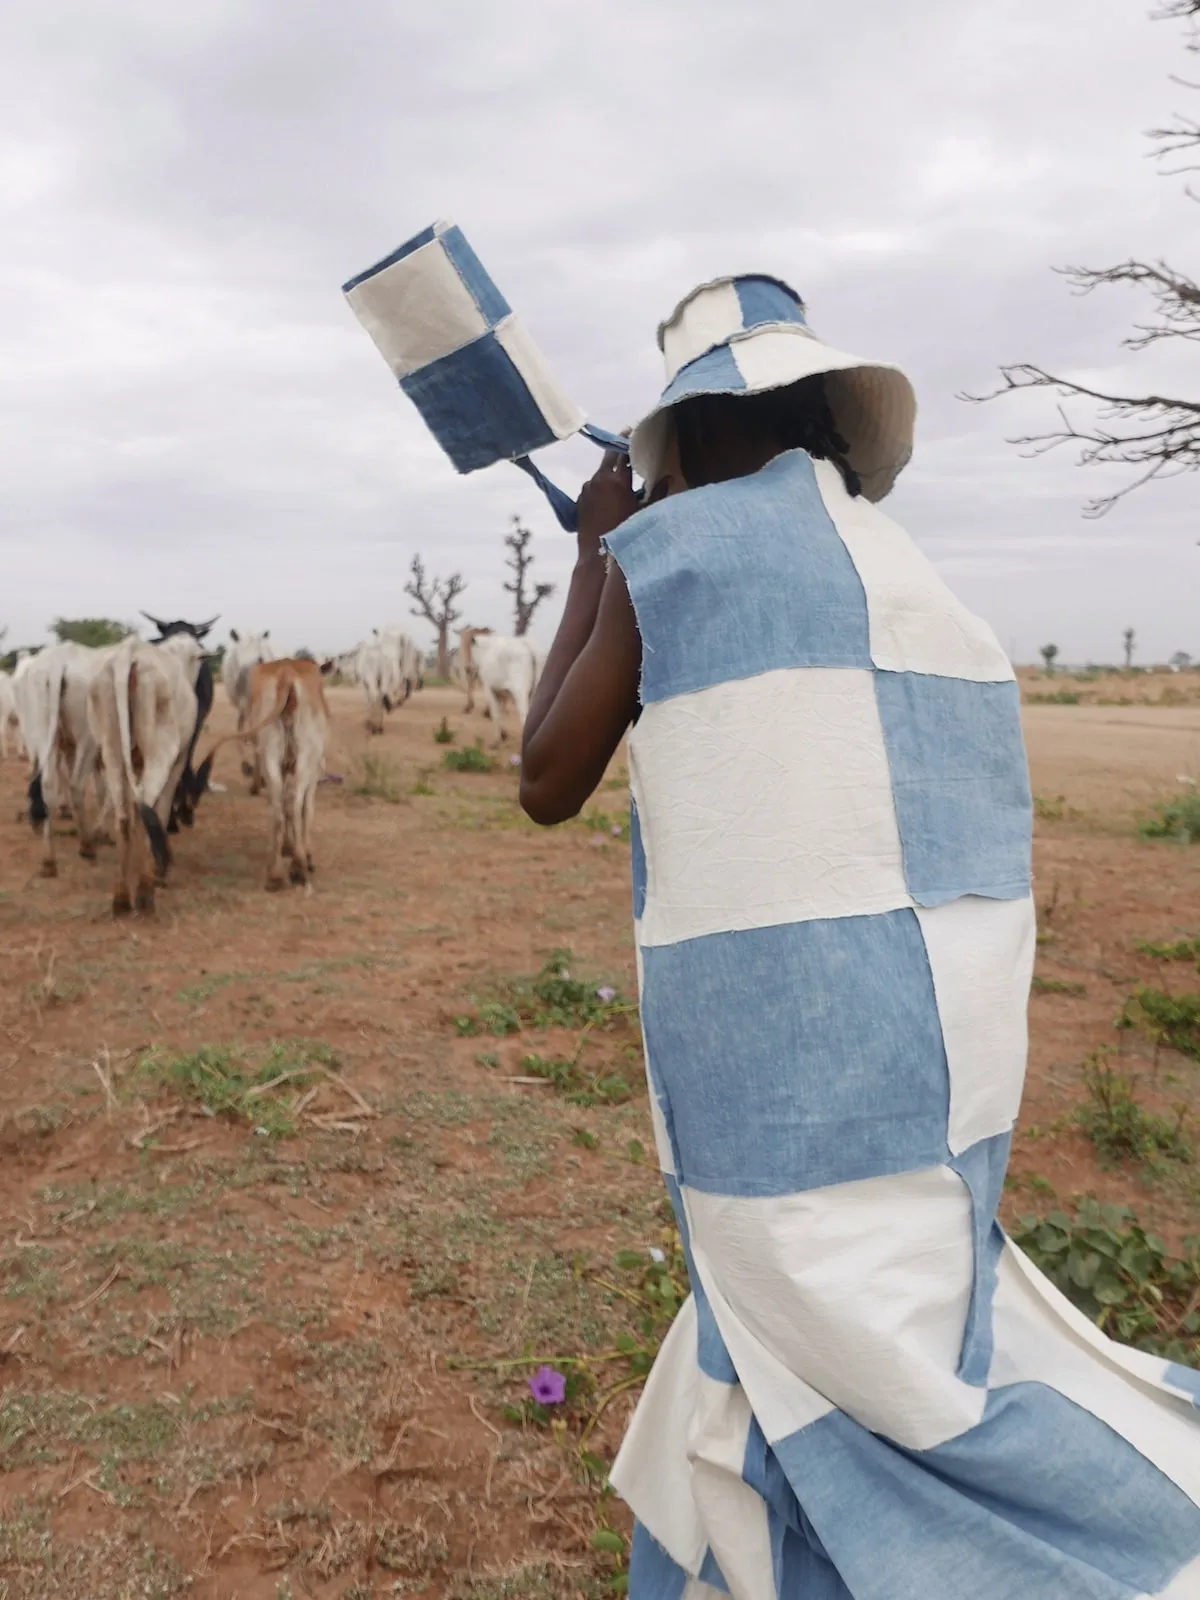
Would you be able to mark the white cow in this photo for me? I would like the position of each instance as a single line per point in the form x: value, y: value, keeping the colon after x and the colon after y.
x: 243, y: 654
x: 464, y: 675
x: 376, y: 671
x: 10, y: 723
x: 50, y: 690
x: 505, y: 666
x: 404, y: 662
x: 141, y: 712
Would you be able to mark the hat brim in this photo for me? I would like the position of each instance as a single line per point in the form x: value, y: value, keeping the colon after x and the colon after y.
x: 874, y: 406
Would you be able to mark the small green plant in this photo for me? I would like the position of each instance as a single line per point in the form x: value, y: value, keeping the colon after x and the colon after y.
x: 474, y: 758
x: 1057, y: 986
x: 225, y: 1083
x: 1121, y: 1277
x: 581, y: 1088
x: 1050, y: 807
x: 1171, y: 950
x: 1177, y: 819
x: 444, y: 733
x: 614, y: 827
x: 552, y: 998
x: 376, y: 778
x: 1118, y: 1126
x: 1173, y: 1020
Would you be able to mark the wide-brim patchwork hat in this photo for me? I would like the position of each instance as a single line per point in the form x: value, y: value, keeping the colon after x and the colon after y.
x: 744, y: 335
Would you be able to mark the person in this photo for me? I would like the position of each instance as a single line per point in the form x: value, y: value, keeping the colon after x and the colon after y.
x: 870, y: 1392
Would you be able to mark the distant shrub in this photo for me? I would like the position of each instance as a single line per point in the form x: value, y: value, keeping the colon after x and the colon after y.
x: 1172, y: 1020
x: 1055, y: 697
x: 444, y: 733
x: 376, y: 778
x: 474, y: 758
x: 1118, y: 1126
x: 1176, y: 819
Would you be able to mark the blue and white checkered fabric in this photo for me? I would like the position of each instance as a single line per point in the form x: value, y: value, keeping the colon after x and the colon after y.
x: 871, y: 1393
x: 462, y: 356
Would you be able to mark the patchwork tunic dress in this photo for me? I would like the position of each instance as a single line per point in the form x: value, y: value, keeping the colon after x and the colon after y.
x: 871, y: 1393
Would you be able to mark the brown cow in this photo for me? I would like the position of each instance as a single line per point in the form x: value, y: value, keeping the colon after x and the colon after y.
x: 287, y: 714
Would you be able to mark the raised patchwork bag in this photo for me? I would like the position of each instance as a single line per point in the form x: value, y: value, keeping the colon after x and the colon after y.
x: 465, y: 359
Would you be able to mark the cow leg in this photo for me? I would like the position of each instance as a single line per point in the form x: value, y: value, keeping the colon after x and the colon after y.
x: 49, y: 866
x: 521, y: 705
x: 273, y: 773
x: 299, y: 837
x: 493, y: 701
x: 81, y: 770
x: 122, y: 900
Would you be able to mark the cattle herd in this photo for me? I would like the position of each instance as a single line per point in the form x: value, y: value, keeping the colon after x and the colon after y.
x: 111, y: 733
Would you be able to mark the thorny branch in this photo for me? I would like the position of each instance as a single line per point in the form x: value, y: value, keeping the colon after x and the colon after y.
x: 1158, y: 434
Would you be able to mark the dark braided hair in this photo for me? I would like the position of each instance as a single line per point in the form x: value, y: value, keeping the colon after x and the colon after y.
x: 796, y: 417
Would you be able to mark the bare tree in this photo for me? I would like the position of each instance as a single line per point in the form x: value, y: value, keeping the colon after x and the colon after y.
x: 1129, y: 639
x: 435, y: 599
x: 519, y: 563
x: 1158, y: 435
x: 1048, y: 653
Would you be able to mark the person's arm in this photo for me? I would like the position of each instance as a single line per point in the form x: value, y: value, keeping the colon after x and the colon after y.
x: 587, y: 695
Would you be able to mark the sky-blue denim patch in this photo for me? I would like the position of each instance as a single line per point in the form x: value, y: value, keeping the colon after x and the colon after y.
x: 1040, y: 1498
x: 982, y: 1167
x: 961, y: 785
x: 764, y: 300
x: 478, y: 406
x: 797, y: 1056
x: 759, y: 572
x: 715, y: 372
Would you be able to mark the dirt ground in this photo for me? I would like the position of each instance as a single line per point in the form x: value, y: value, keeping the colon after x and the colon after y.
x: 232, y: 1344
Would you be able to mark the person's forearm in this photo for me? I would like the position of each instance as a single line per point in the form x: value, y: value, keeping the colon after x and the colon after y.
x: 574, y: 631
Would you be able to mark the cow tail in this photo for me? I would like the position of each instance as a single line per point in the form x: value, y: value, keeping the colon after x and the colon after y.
x: 157, y: 836
x: 278, y: 706
x: 44, y: 753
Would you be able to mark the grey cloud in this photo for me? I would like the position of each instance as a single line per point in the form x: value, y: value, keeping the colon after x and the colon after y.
x: 191, y: 417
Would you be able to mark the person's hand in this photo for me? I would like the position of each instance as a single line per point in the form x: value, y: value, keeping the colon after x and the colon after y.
x: 606, y: 501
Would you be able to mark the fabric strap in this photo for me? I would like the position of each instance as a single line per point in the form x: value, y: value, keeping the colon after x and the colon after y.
x: 563, y: 507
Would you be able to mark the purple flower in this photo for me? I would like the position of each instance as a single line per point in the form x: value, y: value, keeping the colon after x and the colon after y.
x: 514, y: 761
x: 617, y: 830
x: 606, y: 994
x: 548, y: 1387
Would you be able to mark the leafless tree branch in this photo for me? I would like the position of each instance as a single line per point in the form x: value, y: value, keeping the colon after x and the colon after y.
x: 519, y: 563
x: 435, y: 599
x: 1157, y: 434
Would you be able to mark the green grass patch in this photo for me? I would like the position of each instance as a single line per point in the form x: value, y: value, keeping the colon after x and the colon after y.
x: 1172, y: 1020
x: 1177, y: 819
x: 376, y: 778
x: 1057, y: 986
x: 613, y: 827
x: 555, y: 997
x: 42, y: 1427
x: 1054, y: 697
x: 1119, y: 1127
x: 1170, y: 950
x: 444, y: 733
x: 472, y: 758
x: 581, y: 1088
x: 1120, y: 1276
x: 264, y: 1092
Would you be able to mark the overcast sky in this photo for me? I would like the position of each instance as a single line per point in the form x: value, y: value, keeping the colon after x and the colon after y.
x: 192, y: 421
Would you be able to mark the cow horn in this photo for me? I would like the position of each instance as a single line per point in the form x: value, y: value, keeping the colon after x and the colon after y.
x: 161, y: 626
x: 202, y: 628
